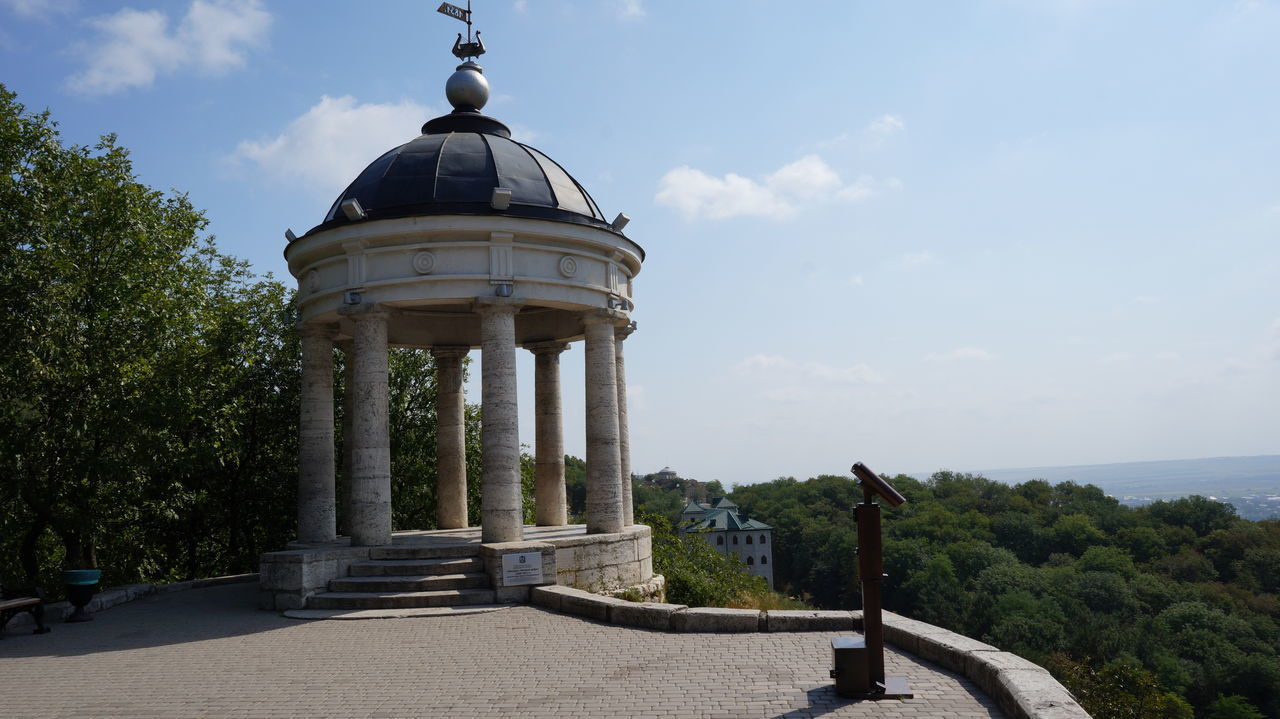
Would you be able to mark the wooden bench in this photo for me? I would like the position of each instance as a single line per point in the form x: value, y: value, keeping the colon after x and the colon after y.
x: 13, y: 603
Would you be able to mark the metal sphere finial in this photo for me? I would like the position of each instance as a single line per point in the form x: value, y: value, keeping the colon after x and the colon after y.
x: 467, y: 89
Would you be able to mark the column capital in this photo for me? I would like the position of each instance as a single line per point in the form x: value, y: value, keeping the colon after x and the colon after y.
x: 624, y: 331
x: 496, y: 305
x: 603, y: 316
x: 372, y: 310
x: 449, y: 351
x: 314, y: 329
x: 546, y: 347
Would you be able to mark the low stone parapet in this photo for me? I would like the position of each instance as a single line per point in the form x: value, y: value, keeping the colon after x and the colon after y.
x: 711, y: 619
x: 791, y: 620
x: 1023, y: 689
x: 645, y: 615
x: 112, y: 596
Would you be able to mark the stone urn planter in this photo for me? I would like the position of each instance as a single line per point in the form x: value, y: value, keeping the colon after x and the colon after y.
x: 81, y: 585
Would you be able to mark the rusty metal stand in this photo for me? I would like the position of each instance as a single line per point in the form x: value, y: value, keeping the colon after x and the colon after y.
x: 871, y: 569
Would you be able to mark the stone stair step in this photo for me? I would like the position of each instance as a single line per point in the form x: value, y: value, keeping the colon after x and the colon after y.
x: 394, y: 613
x: 456, y: 550
x: 416, y: 567
x: 400, y: 600
x: 412, y: 583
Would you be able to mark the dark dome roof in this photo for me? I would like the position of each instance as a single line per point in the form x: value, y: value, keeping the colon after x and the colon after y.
x: 453, y: 168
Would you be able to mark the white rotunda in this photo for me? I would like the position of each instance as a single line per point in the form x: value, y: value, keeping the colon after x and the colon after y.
x: 462, y: 239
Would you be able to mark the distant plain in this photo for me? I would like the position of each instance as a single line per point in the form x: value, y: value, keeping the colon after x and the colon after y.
x: 1246, y: 482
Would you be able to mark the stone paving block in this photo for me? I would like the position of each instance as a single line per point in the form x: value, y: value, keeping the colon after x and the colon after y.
x: 509, y: 595
x: 790, y: 620
x: 647, y: 615
x: 710, y: 619
x: 207, y: 652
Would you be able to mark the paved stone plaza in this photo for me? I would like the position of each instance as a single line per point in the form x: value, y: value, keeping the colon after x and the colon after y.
x: 210, y: 653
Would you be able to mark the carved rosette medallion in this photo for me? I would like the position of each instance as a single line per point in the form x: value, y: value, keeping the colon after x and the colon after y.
x: 568, y: 266
x: 424, y: 263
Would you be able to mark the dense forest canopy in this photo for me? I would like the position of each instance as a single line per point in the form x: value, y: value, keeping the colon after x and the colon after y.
x: 1133, y: 607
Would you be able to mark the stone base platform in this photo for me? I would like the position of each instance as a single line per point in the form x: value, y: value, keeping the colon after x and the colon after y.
x: 303, y: 575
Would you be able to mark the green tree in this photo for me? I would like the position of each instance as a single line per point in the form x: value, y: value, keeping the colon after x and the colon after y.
x: 1120, y: 690
x: 696, y: 574
x: 1233, y: 707
x: 150, y: 382
x: 1073, y: 534
x: 100, y: 276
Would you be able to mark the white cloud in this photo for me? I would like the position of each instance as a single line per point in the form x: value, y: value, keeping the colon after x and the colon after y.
x: 914, y: 259
x: 329, y: 144
x: 631, y: 10
x: 135, y: 46
x: 778, y: 195
x: 694, y: 193
x: 961, y: 354
x: 521, y: 6
x: 793, y: 370
x: 218, y: 32
x: 39, y: 9
x: 881, y: 129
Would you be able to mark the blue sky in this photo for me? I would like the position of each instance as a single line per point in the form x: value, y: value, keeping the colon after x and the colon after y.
x: 920, y: 235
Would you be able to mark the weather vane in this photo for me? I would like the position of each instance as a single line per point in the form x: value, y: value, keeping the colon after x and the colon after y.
x: 469, y: 48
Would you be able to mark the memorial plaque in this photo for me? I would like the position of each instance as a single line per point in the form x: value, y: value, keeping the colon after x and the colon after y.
x: 523, y: 568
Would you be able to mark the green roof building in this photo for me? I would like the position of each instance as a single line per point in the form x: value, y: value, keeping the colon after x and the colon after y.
x: 726, y: 528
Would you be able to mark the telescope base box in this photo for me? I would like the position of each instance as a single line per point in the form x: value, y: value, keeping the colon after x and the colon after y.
x: 849, y: 659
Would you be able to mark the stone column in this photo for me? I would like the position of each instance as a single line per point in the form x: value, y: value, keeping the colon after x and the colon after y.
x: 370, y: 521
x: 316, y: 509
x: 451, y: 443
x: 348, y: 417
x: 501, y: 503
x: 604, y: 495
x: 549, y: 495
x: 624, y: 433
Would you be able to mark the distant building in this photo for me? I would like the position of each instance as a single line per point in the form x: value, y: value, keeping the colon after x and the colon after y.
x: 732, y: 532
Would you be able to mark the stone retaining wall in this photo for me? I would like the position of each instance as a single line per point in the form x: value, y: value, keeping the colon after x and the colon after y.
x: 597, y: 562
x: 1023, y: 689
x: 290, y: 577
x: 605, y: 561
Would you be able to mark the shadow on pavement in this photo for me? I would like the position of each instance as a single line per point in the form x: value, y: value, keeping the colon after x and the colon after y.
x: 175, y: 618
